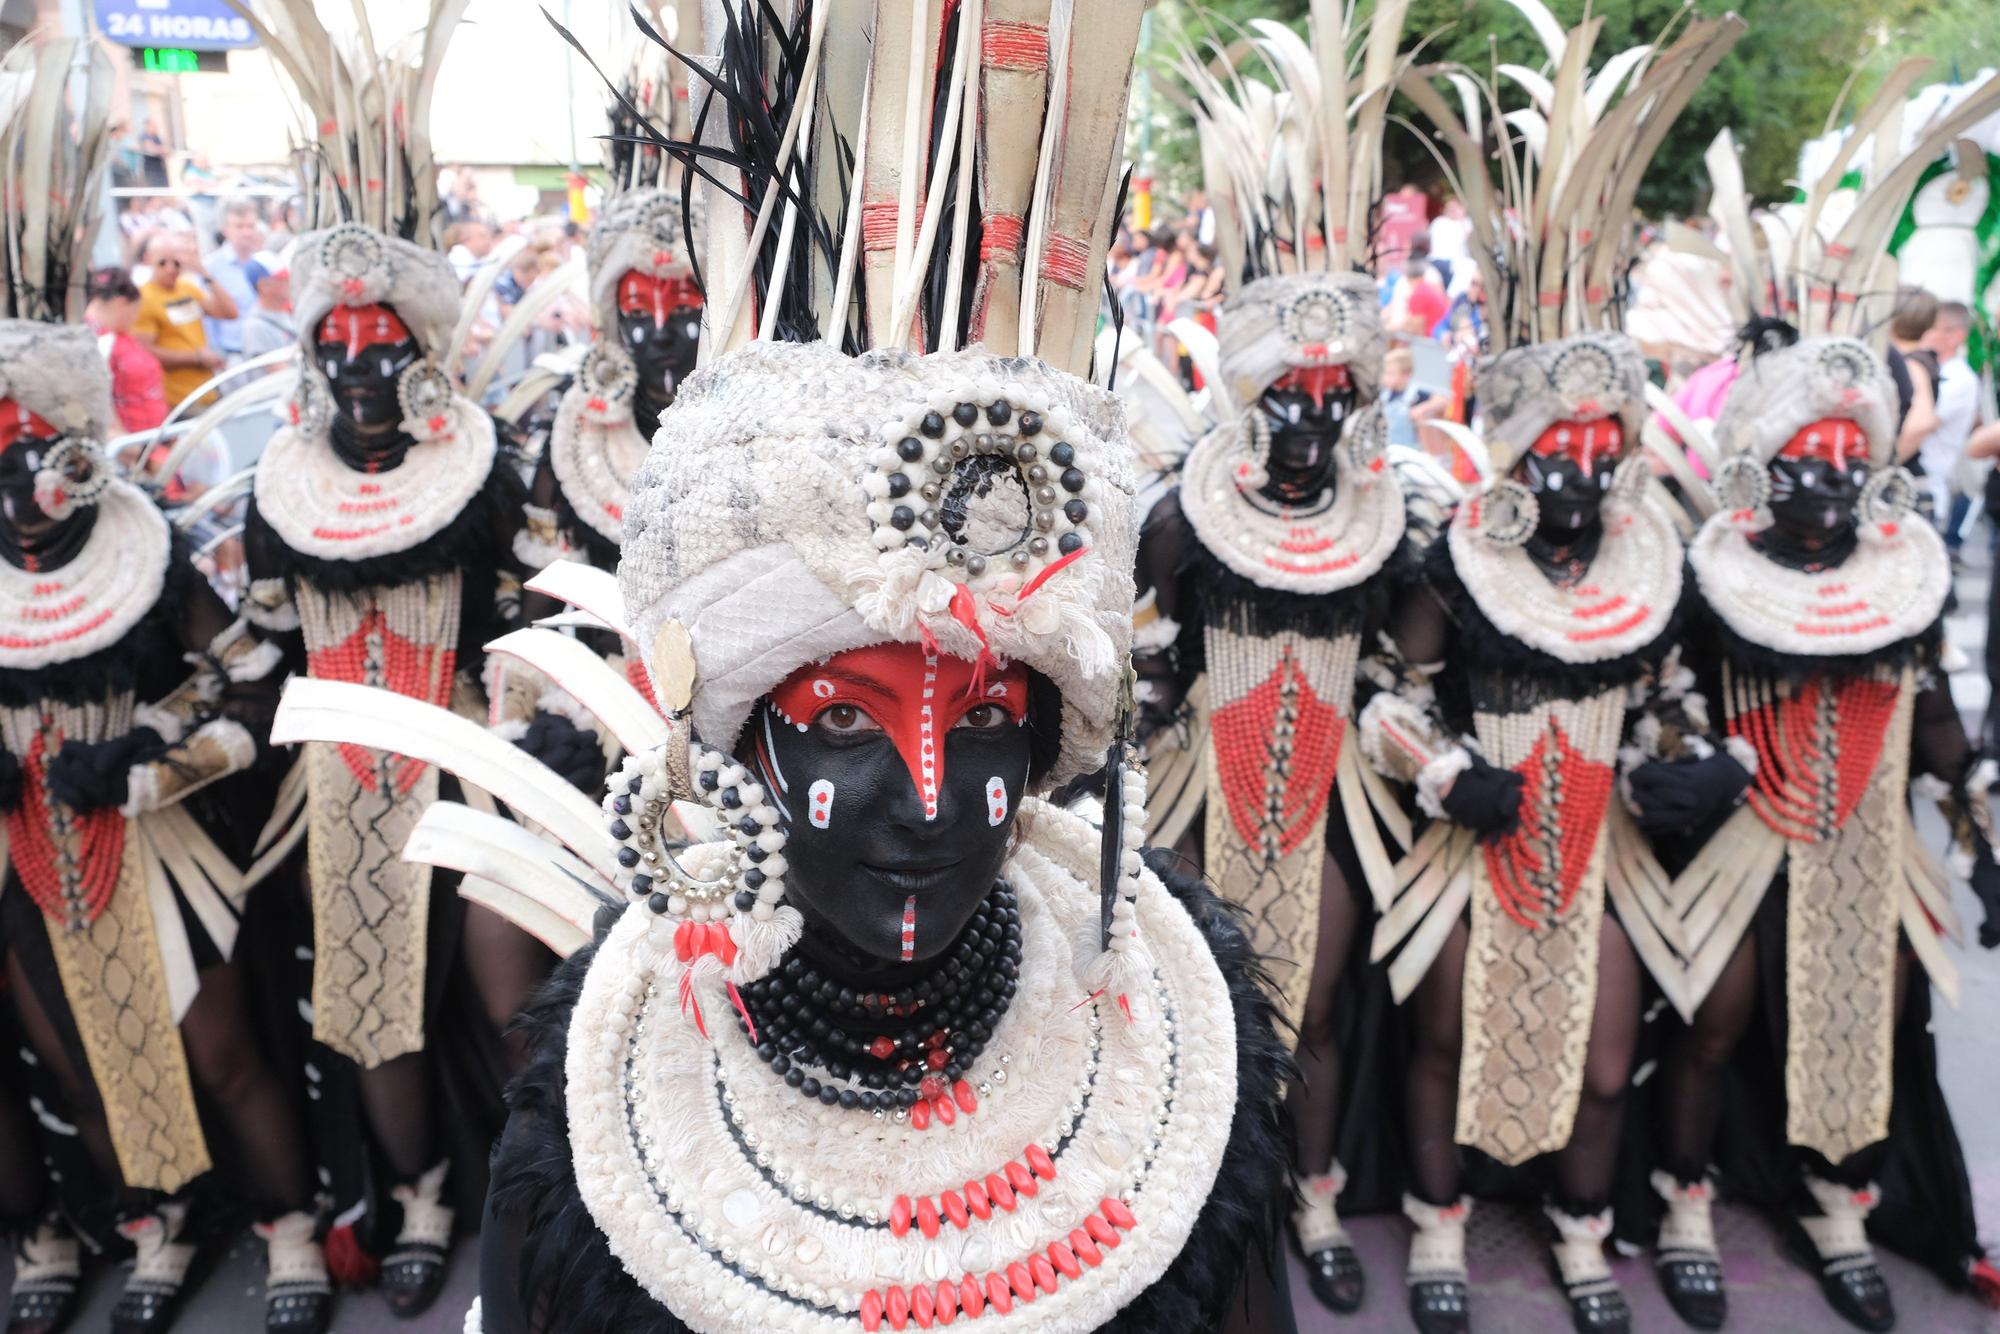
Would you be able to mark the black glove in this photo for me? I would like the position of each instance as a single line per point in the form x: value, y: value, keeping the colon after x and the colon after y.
x: 1674, y: 796
x: 1986, y: 884
x: 10, y: 781
x: 566, y: 748
x: 92, y: 775
x: 1485, y: 799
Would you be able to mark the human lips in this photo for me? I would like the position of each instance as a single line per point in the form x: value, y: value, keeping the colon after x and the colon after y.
x: 915, y: 875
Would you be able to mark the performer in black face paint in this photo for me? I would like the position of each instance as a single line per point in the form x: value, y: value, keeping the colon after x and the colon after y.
x: 1821, y: 592
x: 1267, y: 575
x: 649, y: 314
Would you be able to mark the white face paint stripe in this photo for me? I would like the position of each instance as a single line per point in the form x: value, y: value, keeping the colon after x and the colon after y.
x: 927, y: 788
x: 819, y: 803
x: 777, y: 774
x: 996, y: 800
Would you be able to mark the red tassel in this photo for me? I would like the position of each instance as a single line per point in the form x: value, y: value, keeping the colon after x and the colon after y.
x: 346, y: 1263
x: 1125, y: 1004
x: 690, y: 1002
x: 1048, y: 574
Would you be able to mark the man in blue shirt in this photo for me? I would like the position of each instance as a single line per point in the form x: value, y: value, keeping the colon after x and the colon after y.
x: 242, y: 238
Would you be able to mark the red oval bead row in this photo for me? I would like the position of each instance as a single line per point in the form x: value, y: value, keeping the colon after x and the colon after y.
x: 944, y: 1107
x: 977, y: 1198
x: 1022, y: 1281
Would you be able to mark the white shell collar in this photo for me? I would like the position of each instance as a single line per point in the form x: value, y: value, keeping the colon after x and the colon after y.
x: 1336, y: 544
x: 736, y: 1203
x: 322, y: 508
x: 1622, y: 605
x: 91, y: 602
x: 1892, y: 587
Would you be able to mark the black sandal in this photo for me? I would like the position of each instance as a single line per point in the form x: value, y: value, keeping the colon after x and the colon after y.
x: 1854, y: 1284
x: 1693, y: 1286
x: 413, y: 1273
x: 48, y: 1273
x: 1334, y: 1275
x: 1439, y: 1306
x: 298, y: 1295
x: 159, y: 1273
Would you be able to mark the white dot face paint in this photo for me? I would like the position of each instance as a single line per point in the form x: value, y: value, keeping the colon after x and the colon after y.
x: 909, y: 928
x: 819, y: 803
x: 996, y: 801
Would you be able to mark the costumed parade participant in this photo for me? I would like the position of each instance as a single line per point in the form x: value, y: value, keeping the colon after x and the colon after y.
x: 899, y: 1042
x: 1556, y: 594
x: 380, y: 545
x: 1821, y: 594
x: 648, y: 313
x: 119, y: 912
x: 1268, y: 571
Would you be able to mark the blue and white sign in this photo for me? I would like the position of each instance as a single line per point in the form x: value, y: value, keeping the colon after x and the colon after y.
x: 193, y: 25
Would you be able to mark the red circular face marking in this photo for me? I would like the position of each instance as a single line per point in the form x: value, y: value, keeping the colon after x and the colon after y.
x: 1832, y: 440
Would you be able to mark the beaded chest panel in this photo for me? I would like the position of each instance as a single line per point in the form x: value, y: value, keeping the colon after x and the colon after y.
x: 371, y: 909
x: 1278, y: 710
x: 1531, y: 964
x: 1833, y: 779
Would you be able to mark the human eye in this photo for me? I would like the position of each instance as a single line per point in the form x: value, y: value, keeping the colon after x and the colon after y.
x: 845, y: 720
x: 984, y: 718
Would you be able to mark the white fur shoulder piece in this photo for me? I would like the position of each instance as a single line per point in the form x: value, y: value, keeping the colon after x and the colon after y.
x: 595, y: 451
x: 322, y: 508
x: 739, y: 1204
x: 1336, y: 542
x: 1620, y: 606
x: 1891, y: 588
x: 90, y: 603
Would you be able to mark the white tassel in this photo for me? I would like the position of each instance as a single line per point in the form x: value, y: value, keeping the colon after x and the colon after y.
x: 760, y: 945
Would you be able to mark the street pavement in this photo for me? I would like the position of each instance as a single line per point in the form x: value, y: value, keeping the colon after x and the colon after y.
x: 1512, y: 1294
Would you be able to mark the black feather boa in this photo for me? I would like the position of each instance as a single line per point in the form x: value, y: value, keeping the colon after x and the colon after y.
x: 598, y: 549
x: 565, y: 1265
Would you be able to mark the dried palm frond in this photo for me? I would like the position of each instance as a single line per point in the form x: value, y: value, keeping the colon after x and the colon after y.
x: 55, y: 143
x: 920, y: 174
x: 366, y: 156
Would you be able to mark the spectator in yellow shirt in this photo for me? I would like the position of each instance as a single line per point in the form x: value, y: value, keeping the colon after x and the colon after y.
x: 171, y: 306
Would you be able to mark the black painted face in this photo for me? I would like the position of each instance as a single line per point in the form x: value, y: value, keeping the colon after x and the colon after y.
x: 363, y: 352
x: 1814, y: 500
x: 897, y: 774
x: 659, y: 325
x: 25, y: 441
x: 1568, y: 493
x: 1306, y: 412
x: 662, y: 351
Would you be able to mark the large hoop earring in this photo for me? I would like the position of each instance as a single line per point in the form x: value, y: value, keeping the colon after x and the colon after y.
x: 60, y: 491
x: 1508, y: 513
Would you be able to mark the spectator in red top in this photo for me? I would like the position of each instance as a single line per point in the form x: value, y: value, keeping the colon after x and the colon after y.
x: 138, y: 391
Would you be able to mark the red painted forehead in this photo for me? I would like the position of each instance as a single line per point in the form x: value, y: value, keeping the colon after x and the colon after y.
x: 1834, y: 440
x: 1318, y: 381
x: 915, y: 696
x: 17, y: 422
x: 642, y: 293
x: 1586, y: 442
x: 359, y: 327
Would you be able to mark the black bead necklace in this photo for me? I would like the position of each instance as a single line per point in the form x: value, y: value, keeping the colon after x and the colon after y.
x: 876, y: 1051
